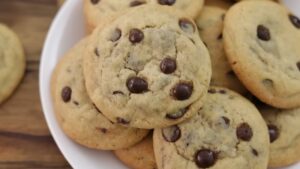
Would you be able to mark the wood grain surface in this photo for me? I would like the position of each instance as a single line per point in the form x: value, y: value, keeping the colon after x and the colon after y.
x: 25, y: 141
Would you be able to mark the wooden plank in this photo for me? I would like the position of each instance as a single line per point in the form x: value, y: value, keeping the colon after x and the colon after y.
x: 25, y: 141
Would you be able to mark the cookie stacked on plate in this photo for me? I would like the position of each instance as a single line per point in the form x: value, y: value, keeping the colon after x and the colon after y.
x: 176, y: 67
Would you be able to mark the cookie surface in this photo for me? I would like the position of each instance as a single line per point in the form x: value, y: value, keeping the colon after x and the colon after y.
x: 139, y: 156
x: 228, y: 132
x: 210, y: 24
x: 261, y: 42
x: 97, y: 11
x: 12, y: 62
x: 145, y: 72
x: 76, y: 113
x: 284, y: 135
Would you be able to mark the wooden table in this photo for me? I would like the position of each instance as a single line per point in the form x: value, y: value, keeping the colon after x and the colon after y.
x: 25, y: 141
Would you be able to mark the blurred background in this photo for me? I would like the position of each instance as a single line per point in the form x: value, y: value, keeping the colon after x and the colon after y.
x: 25, y: 141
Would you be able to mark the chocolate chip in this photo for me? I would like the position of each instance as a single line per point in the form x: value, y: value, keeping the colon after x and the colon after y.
x: 298, y: 65
x: 95, y: 1
x: 295, y: 21
x: 263, y: 33
x: 166, y: 2
x: 136, y: 3
x: 205, y: 158
x: 212, y: 91
x: 122, y: 121
x: 182, y: 91
x: 226, y: 120
x: 168, y: 65
x: 118, y: 92
x: 222, y: 91
x: 220, y: 36
x: 137, y: 85
x: 96, y: 52
x: 244, y: 132
x: 66, y: 94
x: 103, y: 130
x: 254, y: 152
x: 171, y: 134
x: 116, y: 35
x: 177, y: 114
x: 136, y: 35
x: 186, y: 25
x: 273, y: 132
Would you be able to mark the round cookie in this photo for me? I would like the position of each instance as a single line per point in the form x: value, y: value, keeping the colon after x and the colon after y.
x: 284, y: 135
x: 261, y: 42
x: 12, y: 62
x: 139, y: 156
x: 227, y: 132
x: 97, y: 11
x: 146, y: 72
x: 210, y: 24
x: 78, y: 116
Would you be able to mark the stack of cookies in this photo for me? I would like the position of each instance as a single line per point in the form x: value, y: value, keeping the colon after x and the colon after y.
x: 176, y: 84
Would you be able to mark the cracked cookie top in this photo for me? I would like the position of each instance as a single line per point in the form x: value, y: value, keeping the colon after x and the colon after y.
x: 284, y: 135
x: 146, y: 72
x: 262, y: 45
x: 227, y: 132
x: 76, y: 113
x: 99, y: 11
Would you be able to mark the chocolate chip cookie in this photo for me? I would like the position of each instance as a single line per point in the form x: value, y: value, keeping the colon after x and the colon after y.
x: 12, y: 62
x: 97, y: 11
x: 228, y: 132
x: 139, y: 156
x: 76, y: 113
x: 262, y: 45
x: 146, y: 72
x: 210, y: 24
x: 284, y: 135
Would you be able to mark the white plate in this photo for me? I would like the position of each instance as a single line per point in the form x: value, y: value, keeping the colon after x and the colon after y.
x: 66, y: 30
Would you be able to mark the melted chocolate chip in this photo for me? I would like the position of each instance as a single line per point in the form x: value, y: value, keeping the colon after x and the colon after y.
x: 186, y: 25
x: 177, y: 114
x: 254, y: 152
x: 295, y: 21
x: 96, y: 52
x: 95, y: 1
x: 231, y: 73
x: 171, y: 134
x: 182, y: 91
x: 244, y: 132
x: 205, y: 158
x: 136, y: 35
x: 298, y: 65
x: 136, y: 3
x: 116, y: 35
x: 168, y: 65
x: 222, y: 91
x: 103, y: 130
x: 66, y: 94
x: 166, y: 2
x: 273, y: 132
x: 137, y: 85
x: 212, y: 91
x: 220, y: 36
x: 122, y: 121
x: 263, y: 33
